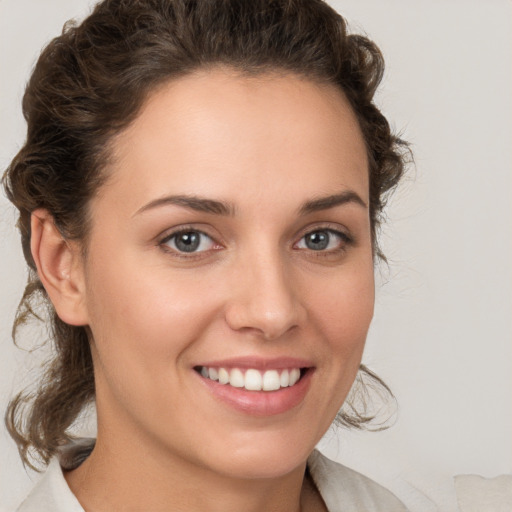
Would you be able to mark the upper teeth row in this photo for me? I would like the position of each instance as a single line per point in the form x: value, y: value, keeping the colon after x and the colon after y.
x: 253, y: 380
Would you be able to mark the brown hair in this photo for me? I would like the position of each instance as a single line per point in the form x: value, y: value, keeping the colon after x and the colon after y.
x: 90, y: 82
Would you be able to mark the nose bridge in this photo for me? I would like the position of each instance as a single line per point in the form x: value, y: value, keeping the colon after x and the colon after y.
x: 265, y: 298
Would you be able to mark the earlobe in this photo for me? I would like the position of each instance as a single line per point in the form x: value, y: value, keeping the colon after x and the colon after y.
x: 59, y: 266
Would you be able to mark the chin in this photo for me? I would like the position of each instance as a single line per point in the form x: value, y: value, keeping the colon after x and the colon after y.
x: 262, y: 467
x: 264, y: 455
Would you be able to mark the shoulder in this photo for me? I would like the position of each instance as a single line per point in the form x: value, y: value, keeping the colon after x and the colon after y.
x: 51, y: 493
x: 344, y: 489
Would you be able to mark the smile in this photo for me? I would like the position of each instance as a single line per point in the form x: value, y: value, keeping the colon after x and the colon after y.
x: 252, y: 379
x: 257, y: 386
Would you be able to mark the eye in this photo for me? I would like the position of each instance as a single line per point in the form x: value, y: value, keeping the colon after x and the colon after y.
x: 323, y: 240
x: 189, y: 241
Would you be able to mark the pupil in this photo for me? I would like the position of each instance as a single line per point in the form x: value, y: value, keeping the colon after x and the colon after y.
x: 187, y: 242
x: 317, y: 241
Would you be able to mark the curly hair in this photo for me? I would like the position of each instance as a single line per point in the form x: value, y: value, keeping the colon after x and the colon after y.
x: 90, y: 83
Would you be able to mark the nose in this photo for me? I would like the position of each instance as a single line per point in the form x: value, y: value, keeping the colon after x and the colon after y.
x: 264, y: 298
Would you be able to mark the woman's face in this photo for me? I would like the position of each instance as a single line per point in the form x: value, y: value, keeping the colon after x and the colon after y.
x: 230, y: 241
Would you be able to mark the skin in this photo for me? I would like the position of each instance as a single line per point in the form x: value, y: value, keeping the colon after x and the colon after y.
x: 264, y: 146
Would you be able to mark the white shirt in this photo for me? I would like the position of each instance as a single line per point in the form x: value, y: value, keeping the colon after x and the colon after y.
x: 342, y: 489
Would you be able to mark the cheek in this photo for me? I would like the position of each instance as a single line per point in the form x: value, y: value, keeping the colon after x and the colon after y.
x: 342, y: 309
x: 141, y: 319
x: 143, y: 329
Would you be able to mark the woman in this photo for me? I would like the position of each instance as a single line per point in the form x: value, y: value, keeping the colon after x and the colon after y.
x: 199, y: 198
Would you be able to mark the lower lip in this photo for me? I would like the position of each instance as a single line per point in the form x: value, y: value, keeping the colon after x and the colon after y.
x: 260, y: 403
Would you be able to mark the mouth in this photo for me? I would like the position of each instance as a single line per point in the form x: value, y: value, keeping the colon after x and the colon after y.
x: 253, y: 379
x: 255, y: 386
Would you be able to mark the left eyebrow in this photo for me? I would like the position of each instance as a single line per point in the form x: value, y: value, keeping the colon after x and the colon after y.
x: 324, y: 203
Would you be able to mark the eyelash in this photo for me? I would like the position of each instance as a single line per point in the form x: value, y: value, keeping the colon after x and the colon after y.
x: 183, y: 254
x: 344, y: 240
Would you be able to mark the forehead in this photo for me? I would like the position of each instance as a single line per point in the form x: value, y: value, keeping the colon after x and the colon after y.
x: 216, y: 132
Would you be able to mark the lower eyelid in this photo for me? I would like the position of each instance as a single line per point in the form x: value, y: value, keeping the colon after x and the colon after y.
x: 344, y: 238
x: 164, y: 242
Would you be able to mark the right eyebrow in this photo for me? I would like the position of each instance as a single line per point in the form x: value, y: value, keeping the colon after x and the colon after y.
x: 200, y: 204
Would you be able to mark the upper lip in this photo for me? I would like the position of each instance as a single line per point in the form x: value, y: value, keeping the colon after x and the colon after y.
x: 258, y: 363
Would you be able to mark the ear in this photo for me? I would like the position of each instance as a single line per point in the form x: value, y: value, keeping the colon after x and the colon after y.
x: 60, y: 268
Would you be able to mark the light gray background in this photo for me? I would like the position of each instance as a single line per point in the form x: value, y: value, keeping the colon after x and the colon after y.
x: 442, y: 334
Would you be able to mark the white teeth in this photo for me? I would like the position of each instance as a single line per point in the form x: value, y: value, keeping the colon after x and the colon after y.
x: 271, y: 380
x: 236, y: 378
x: 294, y: 376
x: 223, y: 376
x: 285, y: 379
x: 252, y: 379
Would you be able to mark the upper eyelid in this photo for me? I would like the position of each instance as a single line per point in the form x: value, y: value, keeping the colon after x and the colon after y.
x: 344, y: 236
x: 346, y: 239
x: 170, y: 236
x: 171, y: 232
x: 327, y: 226
x: 162, y: 244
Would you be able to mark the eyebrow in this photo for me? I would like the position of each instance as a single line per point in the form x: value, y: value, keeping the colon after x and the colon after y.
x: 324, y: 203
x: 196, y: 203
x: 215, y: 207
